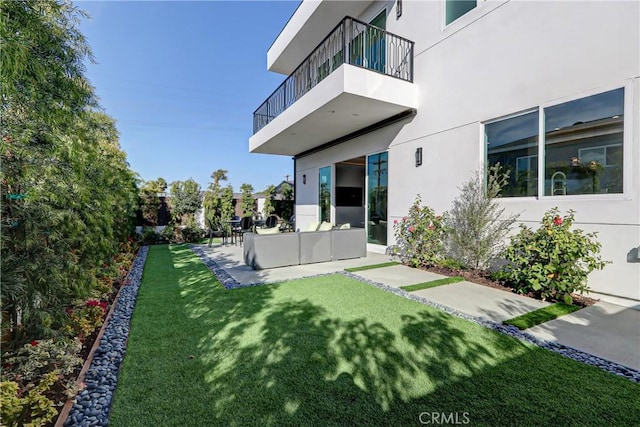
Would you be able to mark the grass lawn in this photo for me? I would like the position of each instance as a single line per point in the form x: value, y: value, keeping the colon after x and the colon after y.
x: 371, y: 267
x: 432, y: 284
x: 333, y: 351
x: 541, y: 315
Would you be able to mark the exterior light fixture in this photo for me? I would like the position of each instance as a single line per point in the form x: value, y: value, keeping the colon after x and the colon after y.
x: 304, y: 178
x: 418, y: 156
x: 398, y: 9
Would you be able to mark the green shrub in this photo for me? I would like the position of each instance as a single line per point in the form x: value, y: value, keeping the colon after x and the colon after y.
x: 28, y: 407
x: 168, y: 234
x: 552, y: 261
x: 85, y: 319
x: 476, y: 225
x: 191, y: 234
x: 148, y: 236
x: 419, y: 236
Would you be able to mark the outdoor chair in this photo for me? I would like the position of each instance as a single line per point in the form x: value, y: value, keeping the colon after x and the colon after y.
x: 216, y: 230
x: 246, y: 226
x: 271, y: 221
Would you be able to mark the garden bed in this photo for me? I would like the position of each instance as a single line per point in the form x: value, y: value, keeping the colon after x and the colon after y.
x: 481, y: 277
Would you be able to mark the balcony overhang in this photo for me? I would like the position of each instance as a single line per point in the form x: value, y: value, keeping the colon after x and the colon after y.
x: 309, y: 24
x: 349, y: 99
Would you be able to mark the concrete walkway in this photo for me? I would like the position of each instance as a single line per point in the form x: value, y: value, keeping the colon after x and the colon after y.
x: 605, y: 330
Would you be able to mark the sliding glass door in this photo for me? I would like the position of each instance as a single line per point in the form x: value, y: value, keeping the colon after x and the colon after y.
x: 325, y: 194
x: 377, y: 185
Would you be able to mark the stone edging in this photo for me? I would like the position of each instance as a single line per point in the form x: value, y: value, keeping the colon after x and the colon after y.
x: 572, y: 353
x: 92, y: 405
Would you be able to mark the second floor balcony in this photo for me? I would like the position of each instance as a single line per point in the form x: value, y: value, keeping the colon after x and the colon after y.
x: 381, y: 78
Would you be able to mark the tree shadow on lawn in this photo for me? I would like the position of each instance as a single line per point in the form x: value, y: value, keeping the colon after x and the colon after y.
x: 334, y: 351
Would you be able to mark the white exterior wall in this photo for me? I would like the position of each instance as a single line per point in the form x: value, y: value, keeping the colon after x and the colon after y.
x: 499, y: 59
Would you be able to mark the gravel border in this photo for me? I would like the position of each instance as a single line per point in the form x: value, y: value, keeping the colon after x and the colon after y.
x: 92, y: 405
x: 614, y: 368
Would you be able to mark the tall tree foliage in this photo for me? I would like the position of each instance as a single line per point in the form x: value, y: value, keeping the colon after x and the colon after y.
x: 68, y: 194
x: 269, y: 199
x: 248, y: 203
x: 212, y: 202
x: 149, y: 201
x: 186, y: 199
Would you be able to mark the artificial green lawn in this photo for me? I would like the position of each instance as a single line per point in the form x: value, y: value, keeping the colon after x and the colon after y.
x: 371, y: 267
x: 432, y: 284
x: 333, y: 351
x: 541, y: 315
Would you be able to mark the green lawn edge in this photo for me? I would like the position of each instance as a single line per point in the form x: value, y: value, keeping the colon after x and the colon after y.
x: 432, y: 283
x: 371, y: 267
x: 541, y: 315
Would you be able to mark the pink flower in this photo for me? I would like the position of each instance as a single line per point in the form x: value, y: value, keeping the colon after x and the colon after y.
x: 557, y: 220
x: 395, y: 221
x: 431, y: 227
x: 438, y: 216
x: 404, y: 218
x: 411, y: 229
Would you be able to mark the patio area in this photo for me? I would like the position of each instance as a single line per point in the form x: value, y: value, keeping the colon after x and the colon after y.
x: 230, y: 258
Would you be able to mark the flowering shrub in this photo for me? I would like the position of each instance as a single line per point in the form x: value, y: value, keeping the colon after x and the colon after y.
x: 552, y: 261
x: 86, y: 319
x: 419, y: 236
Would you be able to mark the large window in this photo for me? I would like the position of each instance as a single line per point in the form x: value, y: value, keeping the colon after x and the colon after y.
x: 583, y: 147
x: 513, y: 143
x: 454, y: 9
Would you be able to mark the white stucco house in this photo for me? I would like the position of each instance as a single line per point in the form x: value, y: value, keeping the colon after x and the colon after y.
x: 384, y: 100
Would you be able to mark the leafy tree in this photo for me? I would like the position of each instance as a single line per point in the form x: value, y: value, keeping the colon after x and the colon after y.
x: 149, y: 201
x: 248, y: 203
x: 269, y: 198
x: 476, y: 225
x: 212, y: 202
x: 186, y: 199
x: 287, y: 192
x: 227, y: 207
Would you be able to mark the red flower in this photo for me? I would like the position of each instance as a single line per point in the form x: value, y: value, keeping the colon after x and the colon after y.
x: 34, y: 343
x: 411, y: 229
x: 404, y: 218
x: 438, y: 216
x: 92, y: 303
x: 557, y: 220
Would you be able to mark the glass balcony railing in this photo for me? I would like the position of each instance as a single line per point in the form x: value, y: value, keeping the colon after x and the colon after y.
x: 351, y: 42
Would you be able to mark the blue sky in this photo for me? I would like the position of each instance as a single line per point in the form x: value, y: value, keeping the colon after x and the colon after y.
x: 182, y: 80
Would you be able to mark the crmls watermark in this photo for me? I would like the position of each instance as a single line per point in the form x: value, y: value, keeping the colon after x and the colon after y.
x: 444, y: 418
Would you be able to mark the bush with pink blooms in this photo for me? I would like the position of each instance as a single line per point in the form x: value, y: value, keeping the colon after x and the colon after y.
x: 552, y: 261
x: 419, y: 236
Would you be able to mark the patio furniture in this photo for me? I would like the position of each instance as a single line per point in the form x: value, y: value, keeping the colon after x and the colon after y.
x: 268, y: 248
x: 271, y: 221
x: 216, y: 230
x: 246, y: 226
x: 315, y: 246
x: 270, y: 251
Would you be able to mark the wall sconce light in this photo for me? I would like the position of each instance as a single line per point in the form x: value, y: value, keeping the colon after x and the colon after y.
x: 304, y: 178
x: 398, y: 9
x: 418, y: 156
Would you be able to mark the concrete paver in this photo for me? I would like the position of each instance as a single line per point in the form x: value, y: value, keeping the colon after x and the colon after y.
x: 481, y: 301
x: 398, y: 275
x: 605, y: 330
